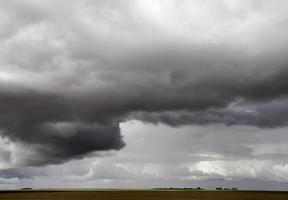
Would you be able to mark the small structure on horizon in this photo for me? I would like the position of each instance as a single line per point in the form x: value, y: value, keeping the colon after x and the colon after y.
x: 27, y: 188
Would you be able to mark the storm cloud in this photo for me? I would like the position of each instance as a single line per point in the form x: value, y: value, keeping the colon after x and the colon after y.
x: 72, y: 71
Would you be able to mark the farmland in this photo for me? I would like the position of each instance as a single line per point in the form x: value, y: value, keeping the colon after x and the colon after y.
x: 140, y: 195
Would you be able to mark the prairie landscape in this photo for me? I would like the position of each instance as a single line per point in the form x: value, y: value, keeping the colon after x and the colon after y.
x: 143, y: 94
x: 142, y: 194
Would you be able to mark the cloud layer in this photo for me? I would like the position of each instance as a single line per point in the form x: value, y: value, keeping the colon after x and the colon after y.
x: 72, y: 71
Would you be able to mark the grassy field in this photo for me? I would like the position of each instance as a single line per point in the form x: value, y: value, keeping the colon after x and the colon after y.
x: 141, y: 195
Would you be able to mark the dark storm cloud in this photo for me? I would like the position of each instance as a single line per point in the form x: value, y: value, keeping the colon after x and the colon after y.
x: 264, y: 115
x: 71, y: 71
x: 54, y: 129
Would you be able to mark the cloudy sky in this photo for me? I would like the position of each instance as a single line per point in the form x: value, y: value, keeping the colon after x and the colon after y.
x: 154, y: 93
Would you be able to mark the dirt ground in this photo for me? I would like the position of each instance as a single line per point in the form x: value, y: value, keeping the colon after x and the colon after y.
x: 142, y: 194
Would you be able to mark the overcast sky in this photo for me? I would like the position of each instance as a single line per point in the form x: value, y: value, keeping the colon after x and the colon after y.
x: 134, y: 93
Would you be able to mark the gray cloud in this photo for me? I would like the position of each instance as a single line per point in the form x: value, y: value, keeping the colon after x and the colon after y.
x: 269, y: 114
x: 48, y: 124
x: 72, y: 71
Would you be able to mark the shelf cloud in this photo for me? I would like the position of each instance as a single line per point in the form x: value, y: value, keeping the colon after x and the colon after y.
x: 72, y: 71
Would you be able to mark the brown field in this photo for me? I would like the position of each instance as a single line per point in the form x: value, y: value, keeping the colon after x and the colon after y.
x: 141, y: 195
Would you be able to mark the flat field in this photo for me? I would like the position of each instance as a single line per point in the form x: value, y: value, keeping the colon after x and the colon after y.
x: 141, y: 195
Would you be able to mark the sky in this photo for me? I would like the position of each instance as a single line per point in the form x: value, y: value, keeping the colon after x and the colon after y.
x: 141, y: 94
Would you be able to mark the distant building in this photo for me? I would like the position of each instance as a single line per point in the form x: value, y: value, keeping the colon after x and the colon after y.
x: 26, y: 188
